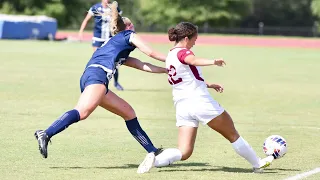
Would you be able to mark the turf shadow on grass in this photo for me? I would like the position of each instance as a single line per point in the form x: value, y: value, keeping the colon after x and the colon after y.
x: 194, y: 166
x: 125, y: 166
x: 222, y: 168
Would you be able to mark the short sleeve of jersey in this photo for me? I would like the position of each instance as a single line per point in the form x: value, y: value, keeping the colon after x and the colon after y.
x: 182, y: 54
x: 91, y: 11
x: 128, y: 36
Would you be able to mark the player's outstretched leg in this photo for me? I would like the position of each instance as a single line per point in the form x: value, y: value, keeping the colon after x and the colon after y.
x: 224, y: 125
x: 59, y: 125
x: 117, y: 105
x: 116, y: 82
x: 88, y: 101
x: 140, y: 135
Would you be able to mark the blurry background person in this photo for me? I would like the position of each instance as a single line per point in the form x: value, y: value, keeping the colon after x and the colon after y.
x: 101, y: 30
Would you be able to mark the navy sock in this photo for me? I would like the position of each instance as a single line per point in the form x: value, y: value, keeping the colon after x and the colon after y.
x: 137, y: 132
x: 63, y: 122
x: 116, y: 76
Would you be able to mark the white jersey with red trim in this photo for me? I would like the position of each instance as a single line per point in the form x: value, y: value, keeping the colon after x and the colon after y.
x: 186, y: 80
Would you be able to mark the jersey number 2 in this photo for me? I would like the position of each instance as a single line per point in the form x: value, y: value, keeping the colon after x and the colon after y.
x: 171, y: 73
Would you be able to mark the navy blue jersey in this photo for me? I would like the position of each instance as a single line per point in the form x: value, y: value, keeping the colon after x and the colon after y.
x: 114, y: 52
x: 101, y: 30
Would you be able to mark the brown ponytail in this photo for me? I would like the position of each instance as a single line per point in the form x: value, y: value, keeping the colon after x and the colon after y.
x: 182, y: 30
x: 117, y: 25
x: 172, y: 35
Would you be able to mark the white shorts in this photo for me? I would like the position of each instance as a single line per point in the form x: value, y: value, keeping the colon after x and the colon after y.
x: 189, y: 112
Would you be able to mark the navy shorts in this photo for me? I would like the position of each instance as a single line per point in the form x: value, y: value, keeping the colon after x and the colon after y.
x: 93, y: 75
x: 97, y: 43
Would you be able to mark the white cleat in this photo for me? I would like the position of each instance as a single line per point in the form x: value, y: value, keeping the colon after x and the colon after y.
x: 265, y: 162
x: 147, y: 163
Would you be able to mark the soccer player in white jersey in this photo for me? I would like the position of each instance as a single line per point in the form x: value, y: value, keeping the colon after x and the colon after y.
x: 101, y: 12
x: 194, y: 104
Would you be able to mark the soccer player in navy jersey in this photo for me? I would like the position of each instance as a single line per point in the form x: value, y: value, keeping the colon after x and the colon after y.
x: 101, y: 13
x: 95, y: 79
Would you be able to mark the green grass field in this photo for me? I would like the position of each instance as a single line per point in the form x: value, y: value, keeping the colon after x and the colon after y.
x: 267, y: 91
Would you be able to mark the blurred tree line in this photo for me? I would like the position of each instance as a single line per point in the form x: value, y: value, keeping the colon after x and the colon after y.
x: 214, y: 13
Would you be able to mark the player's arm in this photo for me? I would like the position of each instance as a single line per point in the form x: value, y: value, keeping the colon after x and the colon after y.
x: 84, y: 23
x: 139, y: 43
x: 216, y: 87
x: 192, y: 60
x: 143, y: 66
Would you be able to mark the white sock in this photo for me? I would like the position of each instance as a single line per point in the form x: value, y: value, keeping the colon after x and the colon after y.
x: 242, y: 147
x: 167, y: 157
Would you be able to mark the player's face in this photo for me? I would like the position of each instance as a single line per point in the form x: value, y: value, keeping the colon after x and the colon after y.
x: 105, y: 2
x: 191, y: 42
x: 130, y: 27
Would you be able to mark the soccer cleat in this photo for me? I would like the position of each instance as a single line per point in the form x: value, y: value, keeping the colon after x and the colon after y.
x: 147, y: 163
x: 43, y: 141
x: 118, y: 86
x: 159, y: 151
x: 265, y: 162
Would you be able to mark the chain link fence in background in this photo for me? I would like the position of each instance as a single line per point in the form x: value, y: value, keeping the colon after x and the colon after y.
x: 261, y: 29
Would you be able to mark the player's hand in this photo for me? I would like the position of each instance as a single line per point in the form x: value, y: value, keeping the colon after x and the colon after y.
x: 219, y: 62
x: 80, y: 36
x: 216, y: 87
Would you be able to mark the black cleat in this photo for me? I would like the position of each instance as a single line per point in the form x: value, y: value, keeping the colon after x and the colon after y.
x: 43, y: 141
x: 118, y: 86
x: 159, y: 151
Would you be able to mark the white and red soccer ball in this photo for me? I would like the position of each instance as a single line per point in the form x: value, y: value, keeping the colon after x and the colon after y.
x: 275, y: 146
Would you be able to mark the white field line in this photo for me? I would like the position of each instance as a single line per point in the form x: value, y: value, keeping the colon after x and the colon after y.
x: 305, y: 174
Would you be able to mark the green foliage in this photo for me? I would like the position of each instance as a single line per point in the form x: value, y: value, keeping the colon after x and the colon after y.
x: 315, y: 7
x: 55, y: 10
x: 69, y: 13
x: 218, y: 13
x: 283, y: 13
x: 164, y: 13
x: 7, y: 8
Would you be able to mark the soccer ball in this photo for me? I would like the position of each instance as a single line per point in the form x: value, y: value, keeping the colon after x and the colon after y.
x: 275, y: 146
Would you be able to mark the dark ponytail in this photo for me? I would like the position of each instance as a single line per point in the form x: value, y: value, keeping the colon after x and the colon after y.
x: 172, y: 34
x: 182, y: 30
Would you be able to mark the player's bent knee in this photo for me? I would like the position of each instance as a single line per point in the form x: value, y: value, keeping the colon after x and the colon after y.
x: 84, y: 114
x: 129, y: 114
x: 186, y: 154
x: 234, y: 137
